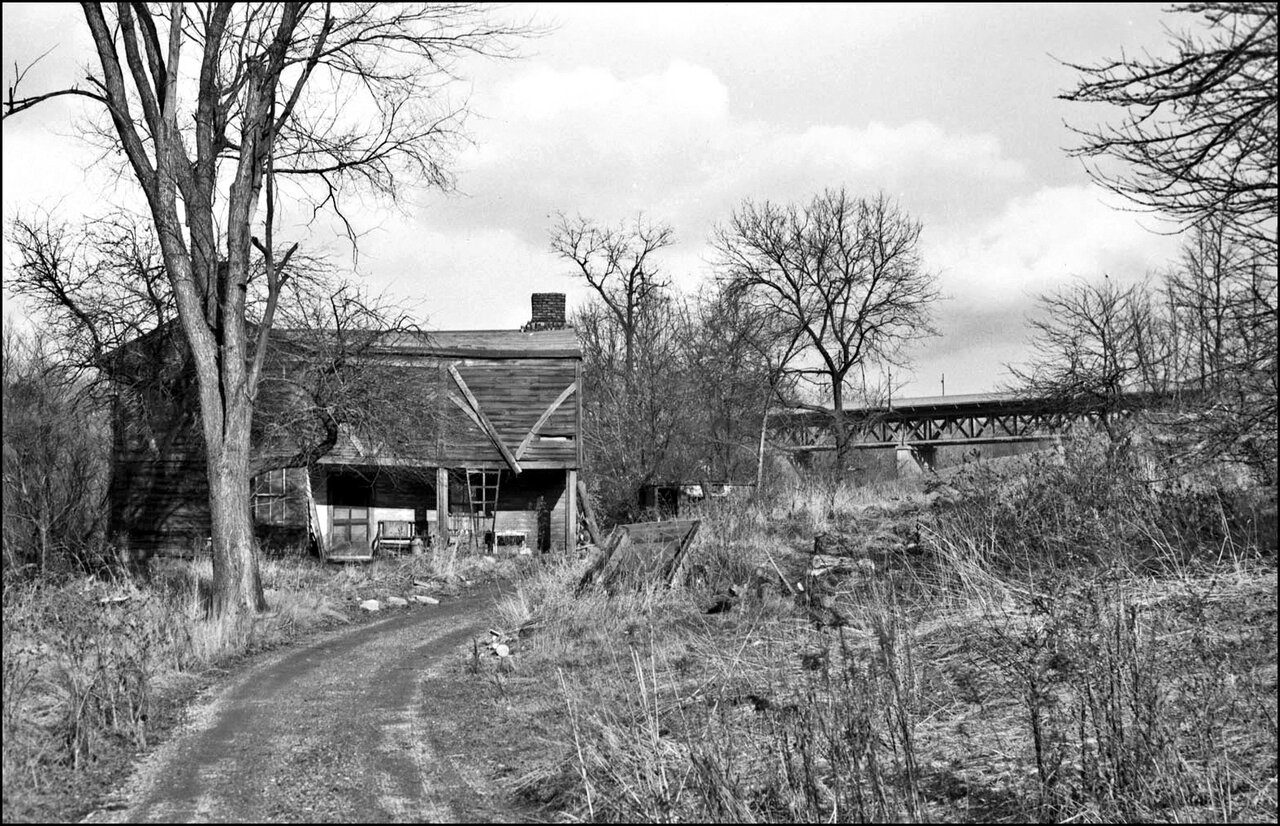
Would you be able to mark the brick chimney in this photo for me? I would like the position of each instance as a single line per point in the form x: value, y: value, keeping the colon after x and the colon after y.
x: 548, y: 312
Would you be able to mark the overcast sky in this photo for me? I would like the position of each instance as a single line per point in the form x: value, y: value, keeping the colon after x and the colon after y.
x: 680, y: 112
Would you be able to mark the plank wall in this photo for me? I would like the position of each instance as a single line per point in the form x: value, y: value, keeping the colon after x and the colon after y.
x: 159, y: 488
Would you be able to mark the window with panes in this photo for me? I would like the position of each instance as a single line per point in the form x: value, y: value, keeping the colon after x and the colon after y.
x: 349, y: 499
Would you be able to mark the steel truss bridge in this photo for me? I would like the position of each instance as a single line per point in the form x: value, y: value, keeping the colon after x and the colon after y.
x: 928, y: 422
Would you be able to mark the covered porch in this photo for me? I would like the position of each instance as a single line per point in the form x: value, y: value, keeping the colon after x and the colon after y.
x: 357, y: 512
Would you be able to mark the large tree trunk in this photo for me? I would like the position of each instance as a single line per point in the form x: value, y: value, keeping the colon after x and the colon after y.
x: 237, y: 585
x: 838, y: 429
x: 210, y: 306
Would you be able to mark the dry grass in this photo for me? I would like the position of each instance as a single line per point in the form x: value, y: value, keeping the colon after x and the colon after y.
x: 91, y: 667
x: 1050, y: 639
x: 1056, y: 651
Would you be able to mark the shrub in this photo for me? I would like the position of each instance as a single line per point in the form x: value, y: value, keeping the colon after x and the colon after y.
x: 1091, y: 507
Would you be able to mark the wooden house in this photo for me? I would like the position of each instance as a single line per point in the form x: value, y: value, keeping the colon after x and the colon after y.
x: 494, y: 464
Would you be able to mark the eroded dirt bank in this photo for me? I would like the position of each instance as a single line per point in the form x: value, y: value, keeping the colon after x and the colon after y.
x: 336, y: 730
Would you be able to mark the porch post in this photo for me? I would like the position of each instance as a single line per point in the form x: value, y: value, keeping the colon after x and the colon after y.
x: 442, y: 506
x: 570, y: 511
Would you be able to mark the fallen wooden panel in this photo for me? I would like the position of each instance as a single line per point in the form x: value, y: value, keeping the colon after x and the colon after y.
x: 642, y: 553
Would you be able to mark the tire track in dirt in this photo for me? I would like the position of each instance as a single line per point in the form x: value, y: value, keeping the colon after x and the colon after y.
x: 338, y: 730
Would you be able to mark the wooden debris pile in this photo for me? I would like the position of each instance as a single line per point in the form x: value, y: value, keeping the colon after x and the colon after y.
x: 640, y: 553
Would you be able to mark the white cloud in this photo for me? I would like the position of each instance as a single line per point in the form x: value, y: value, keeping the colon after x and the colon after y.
x: 477, y: 278
x: 1043, y: 240
x: 993, y: 273
x: 914, y: 148
x: 545, y: 95
x: 669, y: 144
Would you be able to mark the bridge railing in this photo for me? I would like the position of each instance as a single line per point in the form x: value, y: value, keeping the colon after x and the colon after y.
x: 812, y: 430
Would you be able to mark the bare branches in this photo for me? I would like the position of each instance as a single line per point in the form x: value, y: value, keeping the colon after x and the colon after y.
x: 324, y: 378
x: 617, y: 262
x: 640, y: 407
x: 343, y: 94
x: 94, y: 288
x: 55, y: 460
x: 1096, y: 345
x: 1198, y: 143
x: 14, y: 104
x: 1199, y: 133
x: 1197, y: 350
x: 735, y: 355
x: 842, y: 276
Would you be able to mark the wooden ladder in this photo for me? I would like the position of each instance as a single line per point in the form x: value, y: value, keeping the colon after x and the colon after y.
x: 482, y: 495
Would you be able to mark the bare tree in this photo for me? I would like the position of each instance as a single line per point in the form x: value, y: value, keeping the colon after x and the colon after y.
x: 737, y: 356
x: 1198, y: 139
x: 842, y: 276
x: 1198, y: 144
x: 637, y: 419
x: 632, y: 360
x: 1098, y: 349
x: 93, y: 288
x: 54, y: 460
x: 1221, y: 305
x: 335, y: 94
x: 1226, y: 306
x: 617, y: 262
x: 1194, y: 354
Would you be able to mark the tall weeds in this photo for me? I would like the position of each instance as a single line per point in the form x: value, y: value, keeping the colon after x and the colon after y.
x: 1071, y: 642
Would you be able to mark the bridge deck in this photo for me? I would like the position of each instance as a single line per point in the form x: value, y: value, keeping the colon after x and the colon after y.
x: 929, y: 420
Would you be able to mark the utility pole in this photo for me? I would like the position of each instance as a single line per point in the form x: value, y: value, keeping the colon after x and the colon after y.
x: 944, y: 384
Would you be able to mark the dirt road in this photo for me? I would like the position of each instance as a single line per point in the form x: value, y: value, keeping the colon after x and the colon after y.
x: 338, y: 730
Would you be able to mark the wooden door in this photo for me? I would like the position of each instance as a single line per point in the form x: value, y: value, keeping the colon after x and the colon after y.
x: 350, y: 498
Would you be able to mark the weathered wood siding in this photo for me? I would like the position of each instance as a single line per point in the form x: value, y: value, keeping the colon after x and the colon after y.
x: 160, y: 505
x: 518, y: 505
x: 159, y: 488
x: 514, y: 393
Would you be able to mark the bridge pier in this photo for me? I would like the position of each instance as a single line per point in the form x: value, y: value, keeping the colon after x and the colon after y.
x: 914, y: 460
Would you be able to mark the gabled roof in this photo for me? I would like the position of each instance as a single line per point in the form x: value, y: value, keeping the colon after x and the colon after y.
x: 535, y: 344
x: 545, y: 344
